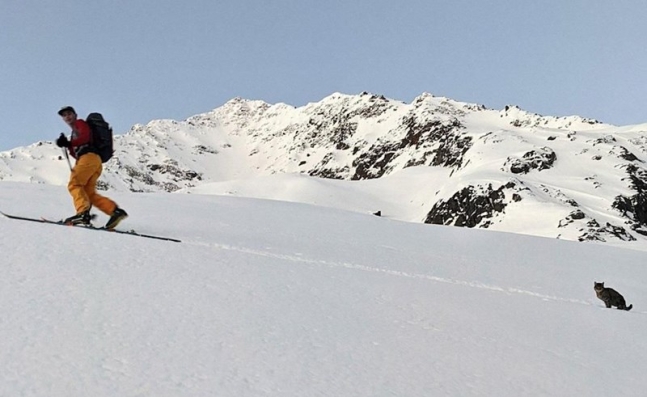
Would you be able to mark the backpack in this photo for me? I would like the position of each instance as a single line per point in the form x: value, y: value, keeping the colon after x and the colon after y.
x: 101, y: 136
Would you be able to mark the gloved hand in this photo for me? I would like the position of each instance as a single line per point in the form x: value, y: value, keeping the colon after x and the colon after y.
x: 62, y: 141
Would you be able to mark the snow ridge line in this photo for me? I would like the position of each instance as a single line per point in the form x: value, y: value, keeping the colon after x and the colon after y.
x: 397, y: 273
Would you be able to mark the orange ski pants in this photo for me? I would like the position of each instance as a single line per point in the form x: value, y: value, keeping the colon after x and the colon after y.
x: 83, y: 185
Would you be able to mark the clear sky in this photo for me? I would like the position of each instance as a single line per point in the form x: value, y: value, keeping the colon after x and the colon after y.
x: 139, y: 60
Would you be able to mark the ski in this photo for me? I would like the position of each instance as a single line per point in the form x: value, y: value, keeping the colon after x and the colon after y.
x: 90, y: 227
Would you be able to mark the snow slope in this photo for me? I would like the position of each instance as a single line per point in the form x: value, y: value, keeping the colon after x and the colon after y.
x: 270, y: 298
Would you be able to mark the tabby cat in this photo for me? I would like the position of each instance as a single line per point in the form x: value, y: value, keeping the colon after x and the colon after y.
x: 610, y: 297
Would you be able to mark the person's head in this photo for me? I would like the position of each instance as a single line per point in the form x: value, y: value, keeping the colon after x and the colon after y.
x: 68, y: 114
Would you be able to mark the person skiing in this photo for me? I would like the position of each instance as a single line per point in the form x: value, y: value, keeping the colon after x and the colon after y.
x: 85, y: 173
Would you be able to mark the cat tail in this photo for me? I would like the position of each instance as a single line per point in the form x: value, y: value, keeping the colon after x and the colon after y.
x: 629, y: 307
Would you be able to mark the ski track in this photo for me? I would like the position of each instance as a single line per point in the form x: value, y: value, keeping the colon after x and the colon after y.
x: 419, y: 276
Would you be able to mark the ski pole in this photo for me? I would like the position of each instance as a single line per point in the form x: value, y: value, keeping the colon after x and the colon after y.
x: 67, y: 158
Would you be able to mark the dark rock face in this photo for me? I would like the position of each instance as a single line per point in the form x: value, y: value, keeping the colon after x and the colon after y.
x: 201, y: 149
x: 635, y: 207
x: 595, y: 232
x: 470, y: 207
x: 147, y: 176
x: 325, y: 170
x: 172, y: 169
x: 626, y: 154
x: 591, y: 230
x: 375, y: 162
x: 573, y: 216
x: 539, y: 160
x: 435, y: 143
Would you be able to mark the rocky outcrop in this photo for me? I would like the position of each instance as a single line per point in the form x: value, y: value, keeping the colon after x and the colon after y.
x: 634, y: 207
x: 538, y: 159
x: 470, y: 207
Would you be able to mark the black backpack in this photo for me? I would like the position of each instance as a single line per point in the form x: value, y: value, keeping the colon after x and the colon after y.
x: 101, y: 136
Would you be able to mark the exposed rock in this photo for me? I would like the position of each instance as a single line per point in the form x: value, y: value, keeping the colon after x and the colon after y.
x: 539, y: 160
x: 635, y: 207
x: 595, y: 232
x: 470, y: 207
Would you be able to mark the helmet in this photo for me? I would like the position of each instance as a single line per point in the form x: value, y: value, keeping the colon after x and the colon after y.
x: 65, y: 109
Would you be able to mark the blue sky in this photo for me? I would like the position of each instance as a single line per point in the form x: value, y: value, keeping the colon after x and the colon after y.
x: 139, y: 60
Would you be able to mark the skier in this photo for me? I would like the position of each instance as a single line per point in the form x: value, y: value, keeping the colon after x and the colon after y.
x: 86, y: 172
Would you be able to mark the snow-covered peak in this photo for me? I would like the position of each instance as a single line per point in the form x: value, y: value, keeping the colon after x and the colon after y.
x: 434, y: 160
x: 521, y: 118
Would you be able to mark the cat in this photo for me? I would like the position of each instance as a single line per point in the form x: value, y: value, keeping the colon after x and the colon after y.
x: 610, y: 297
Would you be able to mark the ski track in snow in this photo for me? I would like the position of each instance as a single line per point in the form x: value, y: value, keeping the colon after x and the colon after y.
x: 420, y: 276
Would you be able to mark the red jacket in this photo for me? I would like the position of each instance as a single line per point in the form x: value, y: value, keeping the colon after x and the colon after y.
x: 81, y: 139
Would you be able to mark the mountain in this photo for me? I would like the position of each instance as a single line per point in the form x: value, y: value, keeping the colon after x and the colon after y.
x: 434, y: 160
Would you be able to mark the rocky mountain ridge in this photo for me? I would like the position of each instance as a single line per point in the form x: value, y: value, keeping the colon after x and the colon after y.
x: 492, y: 168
